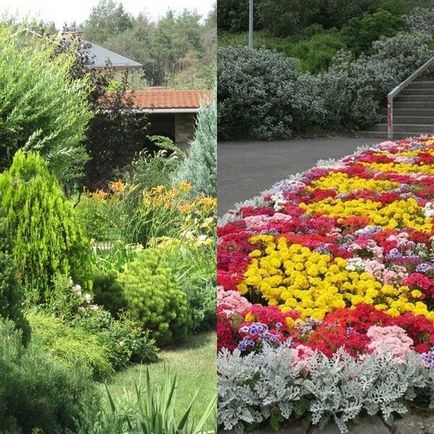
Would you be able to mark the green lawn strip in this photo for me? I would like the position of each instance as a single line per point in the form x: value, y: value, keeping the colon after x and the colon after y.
x: 194, y: 363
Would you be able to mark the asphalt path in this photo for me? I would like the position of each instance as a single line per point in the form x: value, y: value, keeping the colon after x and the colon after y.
x: 247, y: 168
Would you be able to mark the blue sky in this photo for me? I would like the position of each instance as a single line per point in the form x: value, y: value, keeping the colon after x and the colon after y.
x: 78, y: 10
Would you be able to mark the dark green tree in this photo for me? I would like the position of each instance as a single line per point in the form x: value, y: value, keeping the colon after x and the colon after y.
x: 107, y: 18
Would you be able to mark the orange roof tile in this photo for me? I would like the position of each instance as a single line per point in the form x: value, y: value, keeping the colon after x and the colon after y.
x: 163, y: 98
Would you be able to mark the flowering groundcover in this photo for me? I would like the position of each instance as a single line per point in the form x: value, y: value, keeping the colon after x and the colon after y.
x: 326, y: 296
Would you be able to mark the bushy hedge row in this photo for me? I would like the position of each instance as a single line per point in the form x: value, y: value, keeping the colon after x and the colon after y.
x: 263, y: 95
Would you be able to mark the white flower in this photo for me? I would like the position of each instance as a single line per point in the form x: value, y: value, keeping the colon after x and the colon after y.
x: 428, y: 209
x: 355, y: 264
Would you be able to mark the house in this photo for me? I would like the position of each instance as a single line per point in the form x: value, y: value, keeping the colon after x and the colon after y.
x: 171, y: 112
x: 99, y: 57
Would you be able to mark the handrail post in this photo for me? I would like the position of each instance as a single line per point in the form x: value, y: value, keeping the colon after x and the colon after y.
x: 390, y: 117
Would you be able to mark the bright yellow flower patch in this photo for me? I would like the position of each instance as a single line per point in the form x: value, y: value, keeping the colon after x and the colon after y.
x: 399, y: 214
x: 345, y: 184
x: 294, y: 277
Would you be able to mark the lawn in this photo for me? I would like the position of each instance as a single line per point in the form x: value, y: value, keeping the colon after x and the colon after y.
x: 194, y: 363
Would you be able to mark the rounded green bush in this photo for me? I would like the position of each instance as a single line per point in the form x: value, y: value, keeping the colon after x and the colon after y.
x: 153, y: 296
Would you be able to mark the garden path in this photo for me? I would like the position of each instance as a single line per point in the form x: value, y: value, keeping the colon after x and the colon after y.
x: 247, y: 168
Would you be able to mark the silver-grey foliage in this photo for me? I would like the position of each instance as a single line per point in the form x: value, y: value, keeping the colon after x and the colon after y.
x: 200, y: 166
x: 251, y: 387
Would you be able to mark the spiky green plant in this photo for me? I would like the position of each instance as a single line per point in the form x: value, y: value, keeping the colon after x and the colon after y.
x: 154, y: 410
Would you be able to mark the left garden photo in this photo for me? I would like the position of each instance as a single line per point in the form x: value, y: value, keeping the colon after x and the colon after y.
x: 108, y: 131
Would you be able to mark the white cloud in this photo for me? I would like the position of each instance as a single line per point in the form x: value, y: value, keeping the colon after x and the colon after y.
x: 78, y: 10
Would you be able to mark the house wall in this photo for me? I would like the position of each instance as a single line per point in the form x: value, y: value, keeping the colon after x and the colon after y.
x: 135, y: 79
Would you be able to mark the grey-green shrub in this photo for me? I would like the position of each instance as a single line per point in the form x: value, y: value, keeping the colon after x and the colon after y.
x: 153, y: 296
x: 36, y: 392
x: 262, y: 95
x: 40, y: 107
x: 354, y: 90
x: 421, y: 20
x: 199, y: 168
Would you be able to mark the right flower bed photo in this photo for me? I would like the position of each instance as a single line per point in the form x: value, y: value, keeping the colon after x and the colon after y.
x: 326, y: 296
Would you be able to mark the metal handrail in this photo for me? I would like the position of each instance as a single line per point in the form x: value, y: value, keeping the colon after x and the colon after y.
x: 394, y: 92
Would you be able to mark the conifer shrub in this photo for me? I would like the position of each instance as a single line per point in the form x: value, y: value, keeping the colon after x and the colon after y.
x: 153, y: 296
x: 11, y: 295
x: 200, y: 166
x: 71, y: 345
x: 38, y: 394
x: 42, y: 225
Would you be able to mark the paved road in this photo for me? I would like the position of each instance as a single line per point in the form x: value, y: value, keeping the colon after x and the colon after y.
x: 247, y: 168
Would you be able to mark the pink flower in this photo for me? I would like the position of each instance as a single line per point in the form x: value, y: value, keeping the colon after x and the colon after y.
x: 389, y: 339
x: 301, y: 356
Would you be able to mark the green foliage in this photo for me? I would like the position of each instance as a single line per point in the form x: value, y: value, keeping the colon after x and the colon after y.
x: 194, y: 268
x: 263, y: 95
x: 37, y: 394
x: 354, y: 89
x: 11, y: 295
x: 125, y: 338
x: 153, y: 296
x: 199, y: 168
x: 359, y: 33
x: 289, y: 18
x: 167, y: 49
x: 150, y: 410
x: 70, y: 345
x: 42, y: 225
x: 316, y: 53
x: 150, y: 170
x: 40, y: 108
x: 108, y: 292
x: 106, y: 18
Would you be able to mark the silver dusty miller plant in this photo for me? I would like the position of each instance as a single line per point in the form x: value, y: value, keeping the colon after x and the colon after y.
x: 254, y: 386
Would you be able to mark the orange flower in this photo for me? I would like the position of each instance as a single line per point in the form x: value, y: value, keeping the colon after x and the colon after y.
x: 117, y: 186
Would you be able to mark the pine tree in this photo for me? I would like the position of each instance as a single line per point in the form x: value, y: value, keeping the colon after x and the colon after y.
x: 200, y: 166
x: 46, y: 237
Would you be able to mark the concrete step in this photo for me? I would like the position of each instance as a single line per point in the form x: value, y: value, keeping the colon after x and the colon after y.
x: 407, y: 128
x: 418, y: 120
x: 412, y: 104
x: 425, y: 84
x: 417, y: 91
x: 423, y: 112
x: 415, y: 98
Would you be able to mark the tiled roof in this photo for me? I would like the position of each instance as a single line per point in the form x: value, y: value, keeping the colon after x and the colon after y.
x: 99, y: 56
x: 163, y: 98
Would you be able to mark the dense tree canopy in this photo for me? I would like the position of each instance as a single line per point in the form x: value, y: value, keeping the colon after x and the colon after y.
x: 178, y: 48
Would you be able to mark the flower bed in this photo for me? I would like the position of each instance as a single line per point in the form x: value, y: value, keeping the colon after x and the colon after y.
x: 326, y: 299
